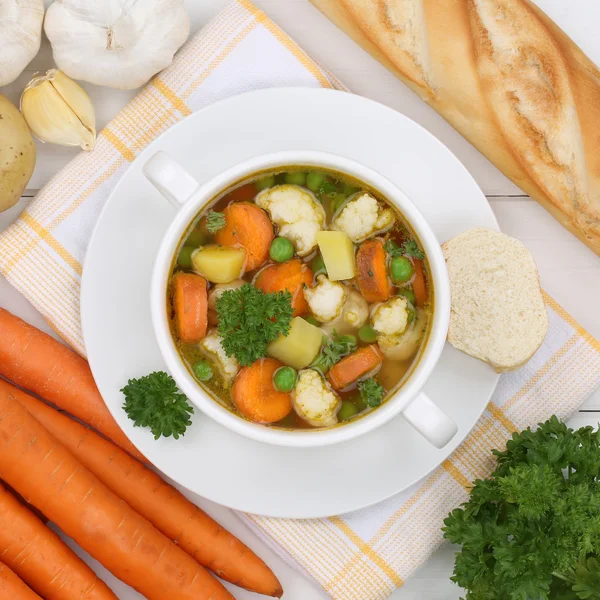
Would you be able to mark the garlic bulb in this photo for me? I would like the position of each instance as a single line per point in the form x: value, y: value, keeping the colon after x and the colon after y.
x: 59, y: 111
x: 20, y: 36
x: 121, y: 43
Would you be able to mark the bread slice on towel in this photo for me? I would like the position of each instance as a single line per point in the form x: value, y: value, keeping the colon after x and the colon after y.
x: 498, y: 313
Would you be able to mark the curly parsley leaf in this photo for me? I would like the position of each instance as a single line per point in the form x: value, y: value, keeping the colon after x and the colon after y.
x: 154, y: 401
x: 408, y: 248
x: 333, y: 350
x: 215, y: 221
x: 411, y: 248
x: 371, y: 392
x: 249, y: 319
x: 532, y: 529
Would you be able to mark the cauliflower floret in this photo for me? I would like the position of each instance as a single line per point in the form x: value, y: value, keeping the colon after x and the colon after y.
x: 353, y: 316
x: 217, y: 291
x: 326, y: 299
x: 297, y: 213
x: 363, y: 216
x: 228, y: 366
x: 391, y: 317
x: 314, y: 400
x: 405, y: 345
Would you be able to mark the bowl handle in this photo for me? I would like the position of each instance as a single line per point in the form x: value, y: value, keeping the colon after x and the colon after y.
x: 430, y: 421
x: 170, y: 178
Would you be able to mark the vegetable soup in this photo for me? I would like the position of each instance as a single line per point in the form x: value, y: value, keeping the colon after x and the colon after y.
x: 300, y: 299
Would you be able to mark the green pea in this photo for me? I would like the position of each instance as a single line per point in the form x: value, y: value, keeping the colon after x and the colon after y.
x: 347, y: 411
x: 337, y: 201
x: 310, y: 319
x: 196, y: 238
x: 295, y: 178
x: 317, y: 265
x: 401, y: 269
x: 314, y: 181
x: 265, y: 182
x: 203, y: 371
x: 367, y: 334
x: 349, y: 189
x: 184, y: 259
x: 409, y: 295
x: 412, y: 313
x: 284, y: 379
x: 281, y: 249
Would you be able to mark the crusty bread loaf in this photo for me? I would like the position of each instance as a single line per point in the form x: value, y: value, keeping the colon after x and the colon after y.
x: 508, y: 79
x: 498, y: 313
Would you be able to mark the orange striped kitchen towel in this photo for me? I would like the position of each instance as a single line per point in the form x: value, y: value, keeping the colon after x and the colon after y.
x: 369, y: 553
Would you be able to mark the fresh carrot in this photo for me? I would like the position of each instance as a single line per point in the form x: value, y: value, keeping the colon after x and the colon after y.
x: 37, y: 362
x: 41, y: 559
x: 256, y: 397
x: 13, y: 492
x: 12, y: 588
x: 44, y: 472
x: 190, y: 303
x: 371, y: 267
x: 247, y: 226
x: 419, y: 284
x: 244, y: 193
x: 292, y: 276
x: 355, y: 365
x: 167, y: 509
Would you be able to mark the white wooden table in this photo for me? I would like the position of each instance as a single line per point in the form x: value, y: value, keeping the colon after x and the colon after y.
x: 569, y: 271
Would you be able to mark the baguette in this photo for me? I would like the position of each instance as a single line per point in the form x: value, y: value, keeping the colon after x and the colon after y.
x: 508, y: 79
x: 497, y: 311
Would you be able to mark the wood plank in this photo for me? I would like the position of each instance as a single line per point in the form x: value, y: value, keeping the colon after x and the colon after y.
x: 327, y: 44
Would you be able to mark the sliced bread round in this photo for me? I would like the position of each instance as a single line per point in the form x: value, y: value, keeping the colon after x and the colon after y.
x: 498, y: 313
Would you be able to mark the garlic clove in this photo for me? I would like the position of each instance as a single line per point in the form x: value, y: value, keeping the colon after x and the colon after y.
x: 20, y: 36
x: 59, y: 111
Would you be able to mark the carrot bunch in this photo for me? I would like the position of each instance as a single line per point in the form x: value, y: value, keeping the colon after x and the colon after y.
x: 117, y: 509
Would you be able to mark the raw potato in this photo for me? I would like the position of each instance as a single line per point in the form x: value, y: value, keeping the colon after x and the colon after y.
x: 17, y: 154
x: 219, y: 264
x: 337, y: 250
x: 300, y: 347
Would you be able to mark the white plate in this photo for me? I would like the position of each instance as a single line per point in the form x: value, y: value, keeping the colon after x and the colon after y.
x: 210, y: 460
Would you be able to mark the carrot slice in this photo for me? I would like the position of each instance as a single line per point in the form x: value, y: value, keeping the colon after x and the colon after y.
x: 372, y: 276
x: 256, y: 397
x: 247, y: 226
x: 41, y: 559
x: 292, y: 276
x: 190, y: 302
x: 12, y: 588
x: 166, y: 508
x: 419, y: 284
x: 37, y: 362
x: 42, y: 470
x: 244, y: 193
x: 353, y: 366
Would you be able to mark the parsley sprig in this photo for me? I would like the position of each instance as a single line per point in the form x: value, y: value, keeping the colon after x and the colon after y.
x: 249, y: 319
x: 408, y: 248
x: 333, y: 350
x: 154, y: 401
x: 371, y: 392
x: 532, y: 530
x: 215, y: 221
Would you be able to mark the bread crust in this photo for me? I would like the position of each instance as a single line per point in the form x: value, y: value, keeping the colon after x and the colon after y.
x: 508, y: 79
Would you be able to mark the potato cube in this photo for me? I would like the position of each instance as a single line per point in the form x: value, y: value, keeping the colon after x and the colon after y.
x: 337, y: 250
x: 300, y: 347
x: 219, y: 264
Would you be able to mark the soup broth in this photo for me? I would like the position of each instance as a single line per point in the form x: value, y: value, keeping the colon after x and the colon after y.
x: 358, y: 290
